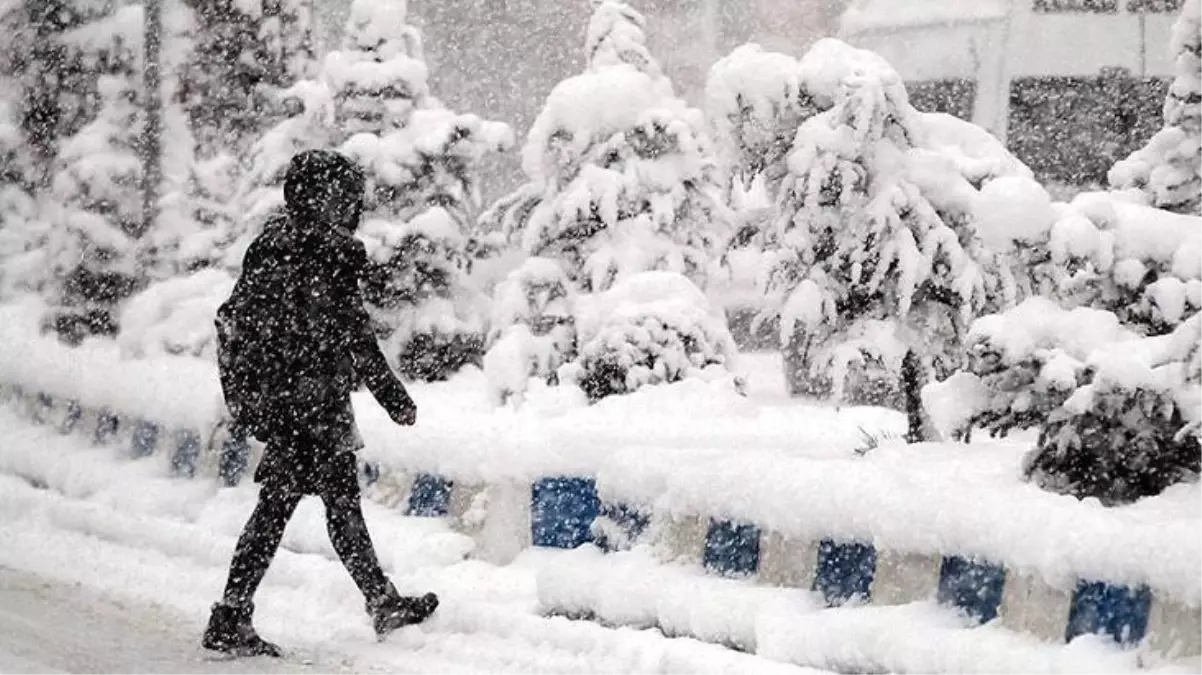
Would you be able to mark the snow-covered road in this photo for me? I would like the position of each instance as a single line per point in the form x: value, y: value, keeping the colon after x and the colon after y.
x: 105, y: 566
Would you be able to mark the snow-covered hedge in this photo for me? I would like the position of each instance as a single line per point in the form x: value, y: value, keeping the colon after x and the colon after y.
x: 1141, y: 263
x: 1118, y: 413
x: 651, y: 328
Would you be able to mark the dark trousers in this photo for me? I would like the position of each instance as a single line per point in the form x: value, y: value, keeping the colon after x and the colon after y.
x: 261, y: 538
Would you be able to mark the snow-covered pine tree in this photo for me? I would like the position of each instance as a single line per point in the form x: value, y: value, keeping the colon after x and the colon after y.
x: 420, y: 161
x: 1167, y: 172
x: 875, y: 251
x: 755, y: 100
x: 621, y: 173
x: 622, y: 181
x: 371, y: 100
x: 53, y: 81
x: 243, y: 53
x: 22, y: 234
x: 92, y: 252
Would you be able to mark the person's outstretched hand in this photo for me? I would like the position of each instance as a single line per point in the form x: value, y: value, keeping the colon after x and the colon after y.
x: 406, y: 416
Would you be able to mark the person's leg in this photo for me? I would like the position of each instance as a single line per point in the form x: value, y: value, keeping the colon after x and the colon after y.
x: 389, y: 610
x: 231, y: 628
x: 348, y: 533
x: 258, y: 544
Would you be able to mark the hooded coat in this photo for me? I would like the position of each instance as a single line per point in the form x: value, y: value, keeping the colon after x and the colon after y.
x: 300, y: 293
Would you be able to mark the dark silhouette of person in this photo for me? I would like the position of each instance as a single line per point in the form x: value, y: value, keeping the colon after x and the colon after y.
x: 296, y: 315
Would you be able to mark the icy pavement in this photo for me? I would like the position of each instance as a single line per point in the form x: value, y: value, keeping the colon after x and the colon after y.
x: 105, y: 566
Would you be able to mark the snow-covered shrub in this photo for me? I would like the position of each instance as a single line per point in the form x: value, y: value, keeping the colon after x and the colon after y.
x: 1118, y: 413
x: 1118, y: 440
x: 175, y: 316
x: 1141, y: 263
x: 1022, y: 364
x: 650, y: 328
x: 534, y: 330
x: 621, y: 173
x: 876, y: 248
x: 1133, y: 430
x: 1167, y: 172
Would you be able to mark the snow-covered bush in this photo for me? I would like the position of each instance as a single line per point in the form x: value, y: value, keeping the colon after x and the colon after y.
x: 622, y: 182
x: 1141, y: 263
x: 1118, y: 413
x: 1167, y: 172
x: 877, y: 248
x: 534, y: 331
x: 650, y: 328
x: 175, y: 316
x: 1120, y: 437
x: 1021, y: 365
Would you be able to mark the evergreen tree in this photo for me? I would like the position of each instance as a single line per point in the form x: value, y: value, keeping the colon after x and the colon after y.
x: 22, y: 234
x: 242, y: 54
x: 1167, y: 172
x: 621, y: 174
x: 622, y: 182
x: 875, y: 255
x: 54, y: 84
x: 93, y: 251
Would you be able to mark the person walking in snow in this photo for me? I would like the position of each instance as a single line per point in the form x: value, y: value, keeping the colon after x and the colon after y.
x: 294, y: 342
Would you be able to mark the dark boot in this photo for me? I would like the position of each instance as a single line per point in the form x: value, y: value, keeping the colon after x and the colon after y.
x: 230, y: 631
x: 392, y: 610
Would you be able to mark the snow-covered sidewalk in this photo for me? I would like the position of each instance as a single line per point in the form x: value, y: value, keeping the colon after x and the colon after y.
x: 102, y: 547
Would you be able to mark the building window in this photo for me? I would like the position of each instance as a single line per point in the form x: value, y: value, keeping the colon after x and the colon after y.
x: 954, y: 96
x: 1096, y: 6
x: 1071, y: 130
x: 1153, y: 5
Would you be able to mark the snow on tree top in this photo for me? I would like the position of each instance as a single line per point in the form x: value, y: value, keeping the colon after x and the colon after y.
x: 615, y: 36
x: 372, y: 21
x: 753, y: 78
x: 126, y: 23
x: 832, y: 69
x: 876, y: 15
x: 590, y: 107
x: 345, y: 70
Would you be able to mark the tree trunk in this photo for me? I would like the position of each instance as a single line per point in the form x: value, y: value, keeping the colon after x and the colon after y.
x: 911, y: 384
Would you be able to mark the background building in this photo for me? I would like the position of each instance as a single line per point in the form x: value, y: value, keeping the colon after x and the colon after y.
x: 1071, y: 85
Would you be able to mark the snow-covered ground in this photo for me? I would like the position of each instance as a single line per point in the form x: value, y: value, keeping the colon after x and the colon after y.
x: 107, y: 566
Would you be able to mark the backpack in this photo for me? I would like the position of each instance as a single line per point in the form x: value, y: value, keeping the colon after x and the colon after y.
x: 241, y: 366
